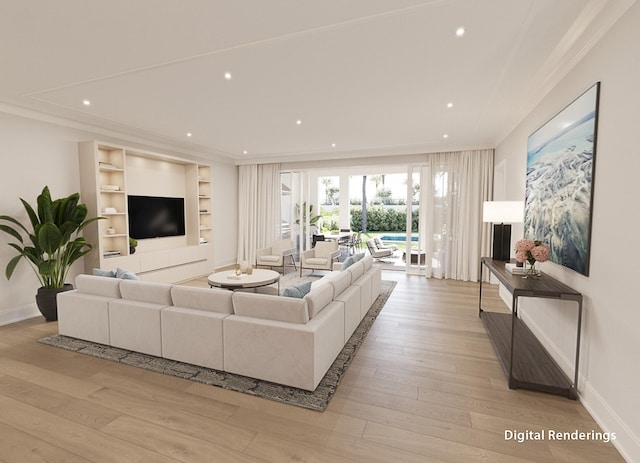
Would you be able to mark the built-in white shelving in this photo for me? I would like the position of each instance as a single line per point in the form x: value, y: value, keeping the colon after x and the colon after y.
x: 108, y: 174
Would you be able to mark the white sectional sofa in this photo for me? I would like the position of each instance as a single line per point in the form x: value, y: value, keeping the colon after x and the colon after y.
x: 281, y: 339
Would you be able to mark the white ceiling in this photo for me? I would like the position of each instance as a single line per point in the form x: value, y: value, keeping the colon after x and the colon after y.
x: 372, y: 76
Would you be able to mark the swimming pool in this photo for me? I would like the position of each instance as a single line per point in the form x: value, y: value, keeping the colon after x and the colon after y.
x: 398, y: 238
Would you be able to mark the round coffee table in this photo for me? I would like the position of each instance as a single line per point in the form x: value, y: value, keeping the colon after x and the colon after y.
x: 229, y: 280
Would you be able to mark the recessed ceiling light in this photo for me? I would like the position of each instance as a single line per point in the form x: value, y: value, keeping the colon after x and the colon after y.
x: 189, y: 134
x: 227, y: 75
x: 450, y: 105
x: 245, y: 152
x: 299, y: 122
x: 460, y: 31
x: 333, y: 145
x: 445, y: 136
x: 86, y: 102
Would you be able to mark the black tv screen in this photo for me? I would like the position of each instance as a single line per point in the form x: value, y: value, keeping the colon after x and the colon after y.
x: 155, y: 216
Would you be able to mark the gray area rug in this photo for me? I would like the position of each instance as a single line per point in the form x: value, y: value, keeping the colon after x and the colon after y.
x: 314, y: 400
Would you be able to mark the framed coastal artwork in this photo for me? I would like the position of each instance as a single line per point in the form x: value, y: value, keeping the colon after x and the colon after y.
x: 559, y: 187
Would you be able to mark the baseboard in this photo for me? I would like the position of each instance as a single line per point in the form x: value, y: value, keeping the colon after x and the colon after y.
x: 17, y: 314
x: 626, y: 442
x: 225, y: 265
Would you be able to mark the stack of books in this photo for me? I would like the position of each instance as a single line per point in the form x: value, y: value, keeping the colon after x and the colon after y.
x: 514, y: 269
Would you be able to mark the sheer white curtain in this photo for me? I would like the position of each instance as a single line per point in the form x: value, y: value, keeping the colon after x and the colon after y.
x: 453, y: 188
x: 259, y: 204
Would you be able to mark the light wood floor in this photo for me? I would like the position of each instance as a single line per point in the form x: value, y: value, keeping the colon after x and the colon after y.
x: 425, y: 386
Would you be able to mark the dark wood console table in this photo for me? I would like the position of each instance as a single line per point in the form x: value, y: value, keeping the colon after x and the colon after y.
x: 525, y: 361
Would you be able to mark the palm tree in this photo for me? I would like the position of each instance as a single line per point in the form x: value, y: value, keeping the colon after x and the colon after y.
x: 377, y: 180
x: 326, y: 181
x: 331, y: 195
x: 364, y: 204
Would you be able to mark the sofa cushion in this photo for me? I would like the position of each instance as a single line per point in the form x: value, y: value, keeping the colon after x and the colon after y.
x: 193, y: 336
x: 318, y: 299
x: 211, y: 300
x: 268, y: 307
x: 125, y: 274
x: 84, y: 316
x: 298, y: 291
x: 348, y: 262
x: 367, y: 261
x: 146, y: 291
x: 135, y: 325
x: 99, y: 286
x: 99, y: 272
x: 340, y: 282
x: 356, y: 270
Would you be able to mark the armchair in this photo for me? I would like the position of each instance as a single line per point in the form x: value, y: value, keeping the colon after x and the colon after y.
x: 321, y: 257
x: 275, y: 255
x: 376, y: 253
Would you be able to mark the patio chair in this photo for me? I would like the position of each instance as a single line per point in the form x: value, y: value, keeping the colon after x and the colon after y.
x: 347, y: 241
x: 276, y: 255
x: 315, y: 239
x: 380, y: 245
x: 357, y: 240
x: 378, y: 254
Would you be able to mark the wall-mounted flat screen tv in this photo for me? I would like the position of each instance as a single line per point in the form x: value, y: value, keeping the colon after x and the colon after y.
x: 155, y: 216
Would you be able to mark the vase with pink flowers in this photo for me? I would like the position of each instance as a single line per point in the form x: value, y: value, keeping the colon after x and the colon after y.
x: 532, y: 251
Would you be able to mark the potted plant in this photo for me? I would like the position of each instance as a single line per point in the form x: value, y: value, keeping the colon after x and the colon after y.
x: 52, y: 244
x: 313, y: 219
x: 133, y: 244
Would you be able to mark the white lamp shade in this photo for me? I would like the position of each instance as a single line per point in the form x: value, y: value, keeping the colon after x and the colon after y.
x: 503, y: 211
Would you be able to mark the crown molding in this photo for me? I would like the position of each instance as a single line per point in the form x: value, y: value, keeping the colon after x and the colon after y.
x: 122, y: 134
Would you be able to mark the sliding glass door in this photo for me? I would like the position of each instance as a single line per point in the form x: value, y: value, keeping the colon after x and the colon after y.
x: 415, y: 253
x: 296, y: 211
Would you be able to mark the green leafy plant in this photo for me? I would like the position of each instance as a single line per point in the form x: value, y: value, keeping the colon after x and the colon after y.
x: 53, y: 243
x: 313, y: 219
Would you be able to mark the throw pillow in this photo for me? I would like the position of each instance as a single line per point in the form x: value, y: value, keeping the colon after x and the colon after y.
x: 358, y: 256
x: 125, y: 274
x: 104, y: 273
x: 298, y: 291
x: 348, y: 262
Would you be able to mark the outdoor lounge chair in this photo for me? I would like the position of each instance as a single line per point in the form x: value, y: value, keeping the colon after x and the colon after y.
x: 380, y: 245
x: 376, y: 253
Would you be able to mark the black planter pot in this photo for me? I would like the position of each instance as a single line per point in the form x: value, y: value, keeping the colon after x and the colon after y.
x: 47, y: 302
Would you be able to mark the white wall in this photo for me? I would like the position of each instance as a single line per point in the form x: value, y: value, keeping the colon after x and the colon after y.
x: 225, y: 214
x: 611, y: 323
x: 34, y: 154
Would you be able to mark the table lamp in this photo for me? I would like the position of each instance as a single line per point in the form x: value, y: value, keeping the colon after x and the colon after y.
x: 502, y: 214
